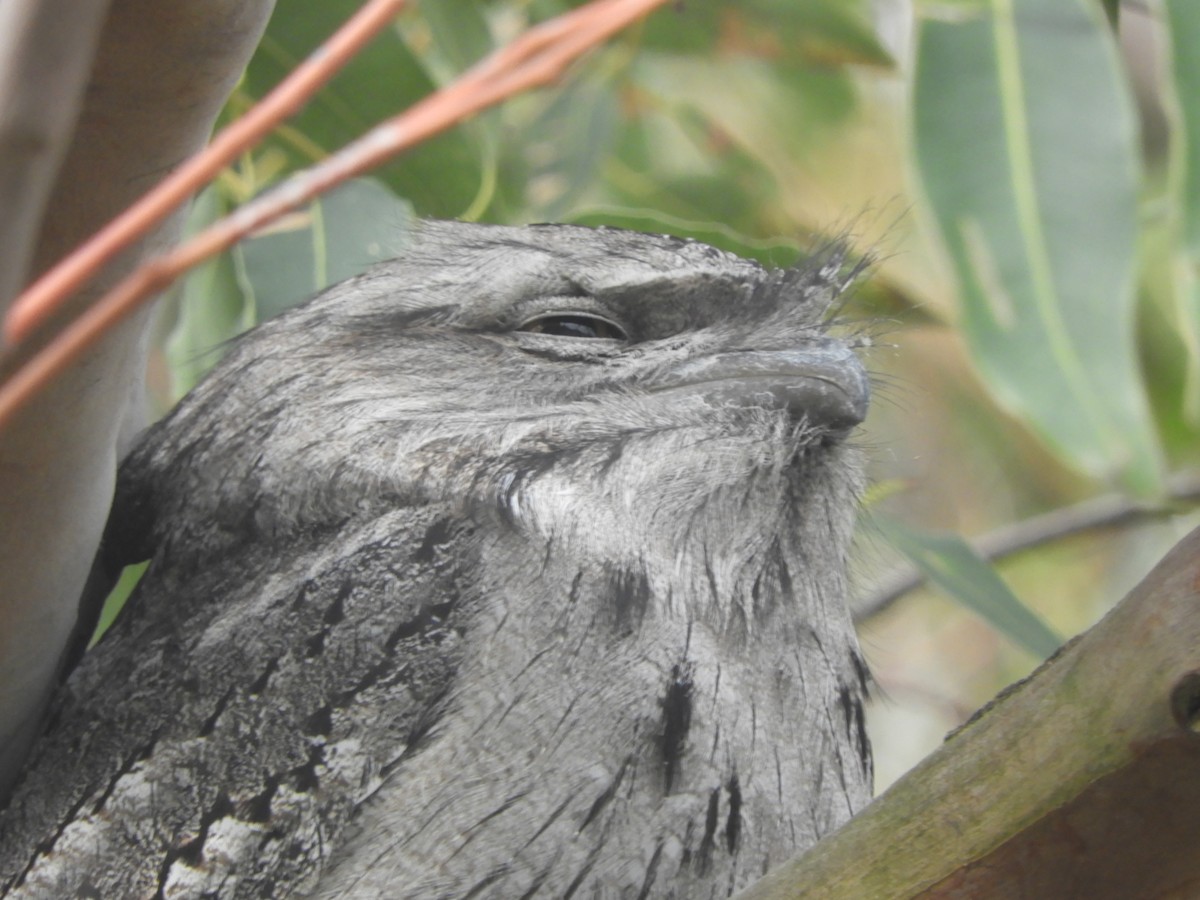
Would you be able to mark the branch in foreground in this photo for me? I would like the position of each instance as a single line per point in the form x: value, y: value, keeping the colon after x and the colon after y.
x: 1107, y: 511
x: 1081, y: 781
x: 158, y: 79
x: 49, y: 293
x: 536, y: 59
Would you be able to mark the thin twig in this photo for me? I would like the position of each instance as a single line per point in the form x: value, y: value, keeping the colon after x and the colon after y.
x: 1107, y: 511
x: 48, y: 294
x: 537, y: 58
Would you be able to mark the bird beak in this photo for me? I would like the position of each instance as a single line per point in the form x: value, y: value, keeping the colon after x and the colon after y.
x: 823, y: 384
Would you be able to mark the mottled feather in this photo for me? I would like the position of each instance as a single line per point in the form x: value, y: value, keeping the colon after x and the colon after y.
x: 443, y: 603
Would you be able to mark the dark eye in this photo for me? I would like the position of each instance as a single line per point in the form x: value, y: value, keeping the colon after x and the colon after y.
x: 575, y: 325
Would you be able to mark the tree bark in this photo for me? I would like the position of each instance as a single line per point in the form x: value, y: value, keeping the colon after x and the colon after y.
x: 160, y: 75
x: 1082, y: 781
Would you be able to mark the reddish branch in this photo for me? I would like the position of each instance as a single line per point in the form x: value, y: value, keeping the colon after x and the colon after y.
x: 49, y: 292
x: 537, y: 58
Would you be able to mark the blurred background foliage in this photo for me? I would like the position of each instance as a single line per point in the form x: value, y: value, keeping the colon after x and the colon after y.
x: 1025, y: 175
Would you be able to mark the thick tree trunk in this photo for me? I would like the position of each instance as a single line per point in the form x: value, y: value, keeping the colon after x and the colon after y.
x: 147, y: 80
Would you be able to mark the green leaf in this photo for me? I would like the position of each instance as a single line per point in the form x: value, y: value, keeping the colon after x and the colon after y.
x: 950, y: 563
x: 828, y: 32
x: 665, y: 175
x: 211, y: 307
x: 1112, y: 10
x: 116, y: 599
x: 440, y: 177
x: 773, y: 114
x: 565, y: 143
x: 1026, y: 146
x: 354, y: 226
x: 460, y: 31
x: 1183, y: 19
x: 818, y: 32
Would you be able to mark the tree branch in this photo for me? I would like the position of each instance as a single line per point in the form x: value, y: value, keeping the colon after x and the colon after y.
x: 1082, y: 781
x: 46, y: 52
x: 45, y: 297
x: 159, y: 76
x: 537, y: 58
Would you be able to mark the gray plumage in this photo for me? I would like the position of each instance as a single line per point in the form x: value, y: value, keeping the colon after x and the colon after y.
x: 448, y: 599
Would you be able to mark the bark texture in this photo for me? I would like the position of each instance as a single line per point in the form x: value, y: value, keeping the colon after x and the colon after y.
x: 147, y: 89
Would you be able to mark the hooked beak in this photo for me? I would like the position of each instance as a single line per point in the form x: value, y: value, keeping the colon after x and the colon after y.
x: 823, y: 384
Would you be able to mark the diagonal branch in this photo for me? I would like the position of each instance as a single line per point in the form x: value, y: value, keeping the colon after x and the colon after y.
x: 156, y: 80
x: 44, y: 297
x: 537, y: 58
x: 1081, y: 781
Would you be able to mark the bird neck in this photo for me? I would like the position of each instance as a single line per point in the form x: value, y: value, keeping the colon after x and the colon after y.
x: 672, y: 715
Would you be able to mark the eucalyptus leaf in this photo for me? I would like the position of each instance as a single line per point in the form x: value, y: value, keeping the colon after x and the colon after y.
x: 821, y: 32
x: 1183, y: 19
x: 950, y: 563
x: 659, y: 178
x: 210, y: 306
x: 117, y: 598
x: 440, y: 177
x: 772, y: 114
x: 827, y: 32
x: 1026, y: 146
x: 352, y: 227
x: 566, y: 144
x: 460, y: 31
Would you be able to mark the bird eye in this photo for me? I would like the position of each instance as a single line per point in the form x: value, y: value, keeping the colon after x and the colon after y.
x: 576, y: 325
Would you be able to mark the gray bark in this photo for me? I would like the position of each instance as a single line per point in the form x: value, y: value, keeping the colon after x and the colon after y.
x: 147, y: 89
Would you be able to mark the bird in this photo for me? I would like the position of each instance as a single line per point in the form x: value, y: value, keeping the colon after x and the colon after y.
x: 515, y: 566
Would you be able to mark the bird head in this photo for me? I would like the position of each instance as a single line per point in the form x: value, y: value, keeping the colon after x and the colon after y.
x: 531, y: 368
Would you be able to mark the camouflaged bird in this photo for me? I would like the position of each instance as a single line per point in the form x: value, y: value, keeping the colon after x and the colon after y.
x: 513, y: 567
